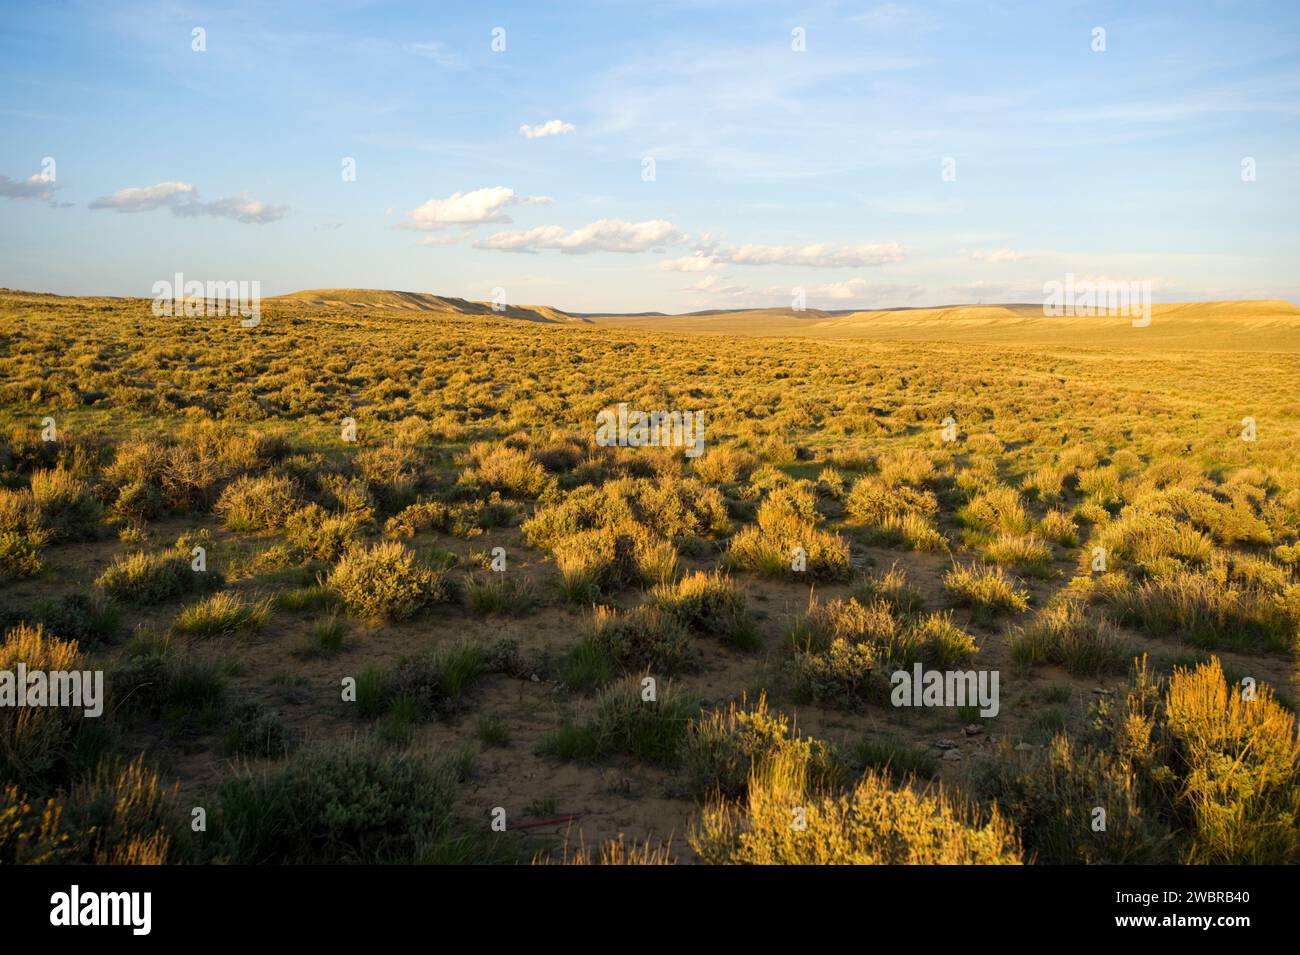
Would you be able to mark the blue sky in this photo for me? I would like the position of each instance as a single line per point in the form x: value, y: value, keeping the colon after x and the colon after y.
x: 774, y: 168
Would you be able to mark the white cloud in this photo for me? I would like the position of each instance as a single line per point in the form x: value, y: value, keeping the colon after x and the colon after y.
x: 468, y: 209
x: 604, y: 235
x: 182, y: 198
x: 690, y: 263
x: 999, y: 255
x: 242, y: 208
x: 820, y: 255
x: 552, y: 127
x: 146, y: 198
x: 33, y: 187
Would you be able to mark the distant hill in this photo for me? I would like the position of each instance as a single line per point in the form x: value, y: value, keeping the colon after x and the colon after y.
x: 1263, y: 325
x: 364, y: 298
x: 1237, y: 326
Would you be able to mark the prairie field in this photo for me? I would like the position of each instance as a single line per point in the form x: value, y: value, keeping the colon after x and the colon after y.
x: 365, y: 586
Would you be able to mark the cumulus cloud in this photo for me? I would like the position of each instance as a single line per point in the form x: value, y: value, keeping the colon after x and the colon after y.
x: 604, y: 235
x: 38, y: 186
x: 819, y: 255
x: 999, y: 255
x: 554, y: 127
x: 182, y: 198
x: 468, y: 209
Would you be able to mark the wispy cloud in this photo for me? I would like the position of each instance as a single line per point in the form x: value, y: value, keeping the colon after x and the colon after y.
x: 182, y: 198
x: 604, y: 235
x: 819, y: 255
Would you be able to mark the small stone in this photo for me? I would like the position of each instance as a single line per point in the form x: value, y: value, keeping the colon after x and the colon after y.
x: 535, y: 678
x: 1024, y: 747
x: 952, y: 755
x: 946, y: 744
x: 974, y: 729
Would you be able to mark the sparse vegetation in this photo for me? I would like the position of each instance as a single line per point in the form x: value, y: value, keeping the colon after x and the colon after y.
x: 826, y: 538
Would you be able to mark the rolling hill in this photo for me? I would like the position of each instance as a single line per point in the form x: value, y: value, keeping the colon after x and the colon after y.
x: 1235, y: 326
x: 360, y: 298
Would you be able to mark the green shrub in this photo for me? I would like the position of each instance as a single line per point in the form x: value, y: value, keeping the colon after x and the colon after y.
x: 223, y: 614
x: 430, y: 684
x: 1024, y: 555
x: 645, y: 637
x: 417, y: 518
x: 1207, y: 610
x: 333, y: 804
x: 258, y: 503
x: 873, y: 824
x: 68, y: 509
x: 36, y: 741
x: 88, y: 618
x: 502, y: 468
x: 256, y: 730
x: 318, y: 535
x: 153, y: 578
x: 872, y: 501
x: 21, y: 535
x: 324, y: 638
x: 725, y: 465
x: 622, y: 722
x: 900, y: 760
x: 1062, y: 634
x: 1054, y: 794
x: 117, y: 815
x: 385, y: 581
x: 988, y: 591
x: 892, y: 588
x: 499, y: 595
x: 710, y: 604
x: 722, y: 748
